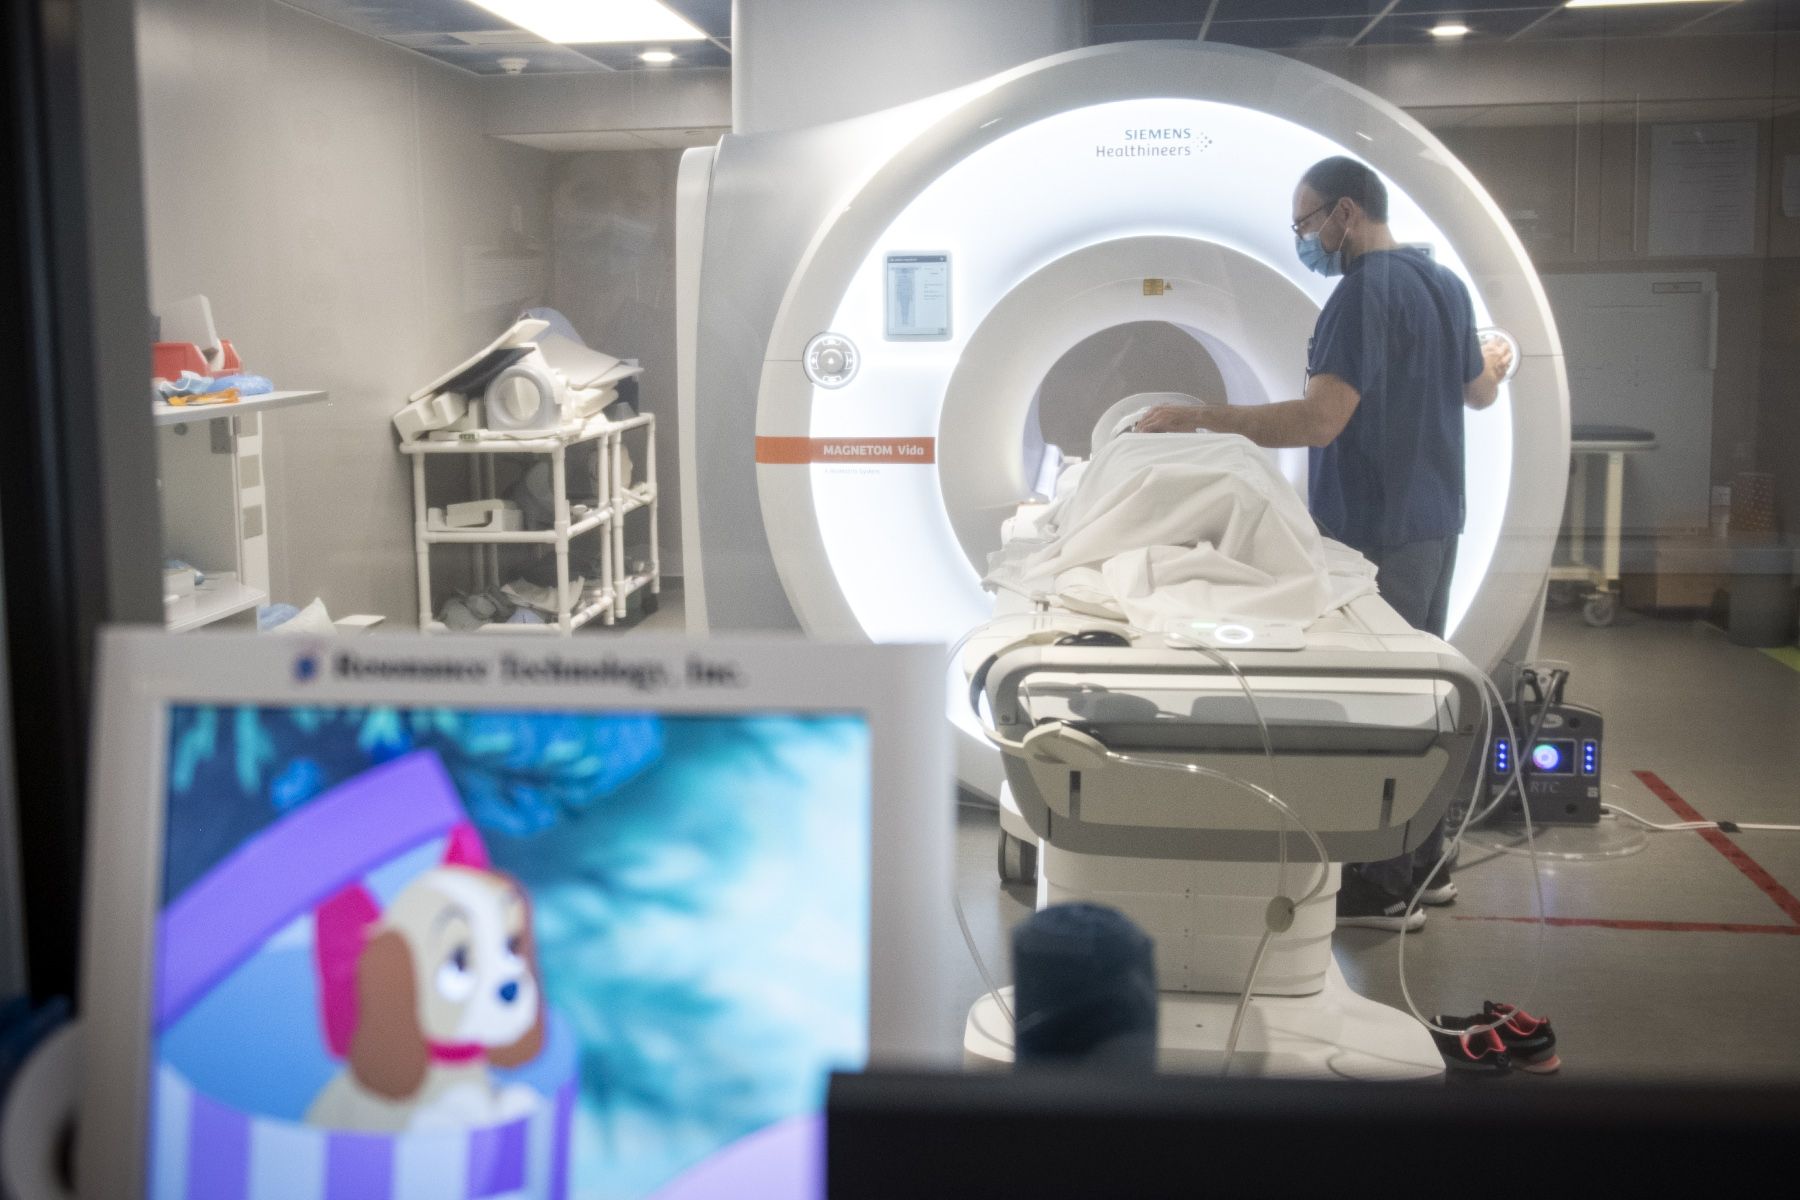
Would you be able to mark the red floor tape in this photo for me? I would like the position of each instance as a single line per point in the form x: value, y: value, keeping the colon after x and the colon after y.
x: 1785, y: 900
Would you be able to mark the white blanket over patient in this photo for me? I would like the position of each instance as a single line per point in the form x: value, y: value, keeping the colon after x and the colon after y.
x: 1168, y: 527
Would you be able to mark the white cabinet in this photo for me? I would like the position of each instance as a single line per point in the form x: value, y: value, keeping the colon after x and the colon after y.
x: 214, y: 500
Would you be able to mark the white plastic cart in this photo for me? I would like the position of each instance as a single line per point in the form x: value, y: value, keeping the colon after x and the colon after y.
x: 604, y: 598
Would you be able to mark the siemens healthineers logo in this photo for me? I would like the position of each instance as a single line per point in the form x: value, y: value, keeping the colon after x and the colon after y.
x: 643, y: 675
x: 1178, y: 141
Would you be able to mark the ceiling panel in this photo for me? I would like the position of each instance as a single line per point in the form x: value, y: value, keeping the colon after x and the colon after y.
x: 1278, y: 10
x: 1647, y: 21
x: 1471, y: 7
x: 468, y: 36
x: 1185, y: 32
x: 687, y: 54
x: 1289, y: 24
x: 1288, y: 35
x: 1484, y: 25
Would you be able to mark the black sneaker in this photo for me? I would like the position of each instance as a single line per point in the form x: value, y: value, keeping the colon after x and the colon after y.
x: 1478, y: 1053
x: 1529, y: 1040
x: 1362, y: 905
x: 1440, y: 891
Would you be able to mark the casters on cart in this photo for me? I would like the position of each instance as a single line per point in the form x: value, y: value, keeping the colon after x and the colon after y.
x: 1600, y: 609
x: 1018, y: 859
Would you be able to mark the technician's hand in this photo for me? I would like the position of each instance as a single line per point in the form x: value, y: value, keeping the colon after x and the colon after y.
x: 1173, y: 418
x: 1498, y: 357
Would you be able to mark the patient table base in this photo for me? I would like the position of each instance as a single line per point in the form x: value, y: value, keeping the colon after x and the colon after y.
x: 1334, y: 1034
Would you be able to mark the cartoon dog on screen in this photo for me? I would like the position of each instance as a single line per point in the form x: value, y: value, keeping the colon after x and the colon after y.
x: 422, y: 999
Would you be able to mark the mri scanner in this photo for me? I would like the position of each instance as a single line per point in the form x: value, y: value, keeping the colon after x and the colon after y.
x: 868, y: 310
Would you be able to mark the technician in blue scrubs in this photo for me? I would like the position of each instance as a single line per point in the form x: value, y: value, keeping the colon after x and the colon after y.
x: 1394, y: 359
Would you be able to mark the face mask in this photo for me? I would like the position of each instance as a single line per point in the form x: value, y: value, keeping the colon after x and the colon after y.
x: 1317, y: 258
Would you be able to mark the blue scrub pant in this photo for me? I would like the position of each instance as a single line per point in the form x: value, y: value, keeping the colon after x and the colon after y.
x: 1415, y: 579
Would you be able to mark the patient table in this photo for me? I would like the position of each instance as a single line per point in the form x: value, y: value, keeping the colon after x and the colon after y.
x: 1374, y: 727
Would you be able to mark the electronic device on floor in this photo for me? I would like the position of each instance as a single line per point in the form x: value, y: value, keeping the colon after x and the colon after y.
x: 1558, y: 754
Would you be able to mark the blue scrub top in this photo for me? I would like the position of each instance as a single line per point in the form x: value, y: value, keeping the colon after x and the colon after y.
x: 1400, y: 329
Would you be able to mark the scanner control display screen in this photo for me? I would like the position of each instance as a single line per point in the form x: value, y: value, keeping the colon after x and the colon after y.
x: 918, y: 297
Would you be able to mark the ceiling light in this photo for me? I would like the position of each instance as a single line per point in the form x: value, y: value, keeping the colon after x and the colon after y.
x: 658, y: 56
x: 585, y: 22
x: 1635, y: 3
x: 1450, y: 29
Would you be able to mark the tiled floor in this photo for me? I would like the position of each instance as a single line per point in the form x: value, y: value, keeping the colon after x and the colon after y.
x: 1720, y: 725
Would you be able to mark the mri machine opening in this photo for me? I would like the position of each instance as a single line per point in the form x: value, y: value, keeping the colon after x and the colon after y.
x: 1140, y: 358
x: 1098, y: 190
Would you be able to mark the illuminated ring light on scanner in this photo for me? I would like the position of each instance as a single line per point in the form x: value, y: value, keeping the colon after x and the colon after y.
x: 1053, y: 234
x: 1546, y: 757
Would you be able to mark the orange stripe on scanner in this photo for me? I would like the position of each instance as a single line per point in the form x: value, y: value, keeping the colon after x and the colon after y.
x: 793, y: 451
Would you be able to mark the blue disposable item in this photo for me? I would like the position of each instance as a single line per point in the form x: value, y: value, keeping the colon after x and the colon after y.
x: 247, y: 385
x: 188, y: 383
x: 524, y: 616
x: 269, y: 616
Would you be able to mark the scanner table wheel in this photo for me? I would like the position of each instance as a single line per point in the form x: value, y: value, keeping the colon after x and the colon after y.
x: 1600, y: 609
x: 1017, y: 859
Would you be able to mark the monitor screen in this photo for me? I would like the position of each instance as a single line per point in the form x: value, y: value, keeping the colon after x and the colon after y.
x: 1555, y: 756
x: 918, y: 297
x: 445, y: 952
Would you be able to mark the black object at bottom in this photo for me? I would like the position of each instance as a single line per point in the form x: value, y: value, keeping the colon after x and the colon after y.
x: 1050, y: 1135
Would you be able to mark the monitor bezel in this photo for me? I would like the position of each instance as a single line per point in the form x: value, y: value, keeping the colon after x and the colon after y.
x: 145, y: 672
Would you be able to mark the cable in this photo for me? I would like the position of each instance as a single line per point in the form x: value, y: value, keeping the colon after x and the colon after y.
x: 1275, y: 802
x: 1515, y: 780
x: 1696, y: 826
x: 962, y: 922
x: 956, y: 903
x: 1287, y: 814
x: 1489, y: 695
x: 1262, y: 946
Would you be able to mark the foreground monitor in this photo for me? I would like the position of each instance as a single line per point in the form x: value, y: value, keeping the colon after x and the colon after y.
x: 1076, y: 1135
x: 395, y: 918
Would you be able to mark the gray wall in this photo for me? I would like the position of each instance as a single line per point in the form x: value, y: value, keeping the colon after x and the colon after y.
x: 613, y: 275
x: 324, y: 189
x: 806, y: 62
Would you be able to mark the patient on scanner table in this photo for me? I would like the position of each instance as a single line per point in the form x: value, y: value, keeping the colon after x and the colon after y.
x: 1156, y: 529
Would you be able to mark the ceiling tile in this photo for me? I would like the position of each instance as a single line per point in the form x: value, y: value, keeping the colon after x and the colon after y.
x: 385, y: 17
x: 540, y: 59
x: 623, y: 56
x: 1654, y: 20
x: 1484, y: 25
x: 1288, y: 35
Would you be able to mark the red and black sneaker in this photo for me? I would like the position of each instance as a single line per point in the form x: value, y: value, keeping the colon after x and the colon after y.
x: 1529, y: 1040
x: 1477, y: 1052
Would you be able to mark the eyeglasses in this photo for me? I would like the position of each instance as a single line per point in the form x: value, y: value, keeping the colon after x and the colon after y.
x: 1325, y: 207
